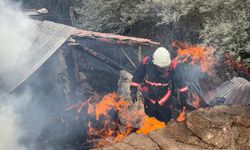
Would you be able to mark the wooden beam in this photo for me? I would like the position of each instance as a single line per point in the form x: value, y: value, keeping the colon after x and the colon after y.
x: 119, y: 39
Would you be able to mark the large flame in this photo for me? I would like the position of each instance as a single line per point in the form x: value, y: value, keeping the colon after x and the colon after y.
x: 112, y: 119
x: 196, y: 54
x: 110, y: 101
x: 103, y: 123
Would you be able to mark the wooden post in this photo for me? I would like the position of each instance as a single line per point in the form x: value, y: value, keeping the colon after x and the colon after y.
x: 139, y: 54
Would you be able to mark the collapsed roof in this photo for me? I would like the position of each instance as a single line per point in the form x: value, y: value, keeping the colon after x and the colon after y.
x: 46, y: 41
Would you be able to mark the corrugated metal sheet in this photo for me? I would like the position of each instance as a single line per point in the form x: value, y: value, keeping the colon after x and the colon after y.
x: 235, y: 91
x: 48, y: 38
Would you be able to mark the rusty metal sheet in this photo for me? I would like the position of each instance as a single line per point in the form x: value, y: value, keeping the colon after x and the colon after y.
x: 47, y: 39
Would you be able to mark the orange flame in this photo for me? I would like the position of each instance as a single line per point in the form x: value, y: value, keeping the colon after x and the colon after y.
x: 110, y: 101
x: 149, y: 124
x: 105, y: 127
x: 196, y: 54
x: 182, y: 115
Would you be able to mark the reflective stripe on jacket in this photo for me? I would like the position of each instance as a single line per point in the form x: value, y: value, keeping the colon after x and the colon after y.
x: 159, y: 85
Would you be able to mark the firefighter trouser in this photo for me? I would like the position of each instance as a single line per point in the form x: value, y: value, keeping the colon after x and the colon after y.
x: 162, y: 113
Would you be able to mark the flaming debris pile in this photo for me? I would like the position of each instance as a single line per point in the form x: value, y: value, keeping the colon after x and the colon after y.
x: 112, y: 119
x: 103, y: 121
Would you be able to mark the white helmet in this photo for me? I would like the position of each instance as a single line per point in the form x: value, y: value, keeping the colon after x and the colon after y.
x: 161, y: 57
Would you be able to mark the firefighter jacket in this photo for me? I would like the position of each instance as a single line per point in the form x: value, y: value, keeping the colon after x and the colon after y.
x: 158, y: 86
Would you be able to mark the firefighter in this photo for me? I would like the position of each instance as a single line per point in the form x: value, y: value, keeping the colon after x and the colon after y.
x: 157, y: 77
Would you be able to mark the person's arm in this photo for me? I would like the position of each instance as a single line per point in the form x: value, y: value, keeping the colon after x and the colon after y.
x: 137, y: 79
x: 181, y: 86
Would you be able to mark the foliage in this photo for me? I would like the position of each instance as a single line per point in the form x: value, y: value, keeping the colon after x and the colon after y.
x: 222, y: 23
x: 110, y: 15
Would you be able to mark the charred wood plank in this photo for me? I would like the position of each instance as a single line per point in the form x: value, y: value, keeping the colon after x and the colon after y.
x: 102, y: 57
x: 239, y: 65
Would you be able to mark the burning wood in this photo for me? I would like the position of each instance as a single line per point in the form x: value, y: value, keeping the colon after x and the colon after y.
x: 103, y: 121
x: 112, y: 119
x: 110, y: 101
x: 196, y: 54
x: 116, y: 129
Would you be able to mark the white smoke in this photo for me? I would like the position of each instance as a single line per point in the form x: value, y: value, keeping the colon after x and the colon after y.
x: 16, y: 31
x: 10, y: 122
x: 9, y: 131
x: 29, y: 119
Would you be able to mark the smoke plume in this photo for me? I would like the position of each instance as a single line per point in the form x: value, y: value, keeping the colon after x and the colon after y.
x: 10, y: 122
x: 33, y: 116
x: 16, y: 30
x: 15, y: 39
